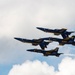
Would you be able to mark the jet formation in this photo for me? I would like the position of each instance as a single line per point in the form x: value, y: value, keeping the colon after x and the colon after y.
x: 44, y: 42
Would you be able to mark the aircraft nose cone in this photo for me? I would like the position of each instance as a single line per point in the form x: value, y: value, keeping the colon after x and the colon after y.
x: 30, y: 50
x: 18, y: 39
x: 40, y: 28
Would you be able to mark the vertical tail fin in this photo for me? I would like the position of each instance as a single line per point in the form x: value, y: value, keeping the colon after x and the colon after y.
x: 73, y: 37
x: 56, y: 49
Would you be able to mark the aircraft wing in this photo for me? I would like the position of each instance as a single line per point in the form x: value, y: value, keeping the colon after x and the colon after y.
x: 64, y: 35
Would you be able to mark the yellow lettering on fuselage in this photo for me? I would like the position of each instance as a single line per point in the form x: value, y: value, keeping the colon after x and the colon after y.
x: 61, y: 44
x: 66, y: 39
x: 56, y: 33
x: 48, y: 52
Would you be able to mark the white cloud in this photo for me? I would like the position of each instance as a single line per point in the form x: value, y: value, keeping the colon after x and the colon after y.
x: 66, y: 67
x: 32, y: 68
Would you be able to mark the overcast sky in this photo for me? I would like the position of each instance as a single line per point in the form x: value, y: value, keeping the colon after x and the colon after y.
x: 19, y: 18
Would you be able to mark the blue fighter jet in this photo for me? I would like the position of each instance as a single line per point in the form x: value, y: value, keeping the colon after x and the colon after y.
x: 53, y: 52
x: 63, y: 32
x: 43, y: 44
